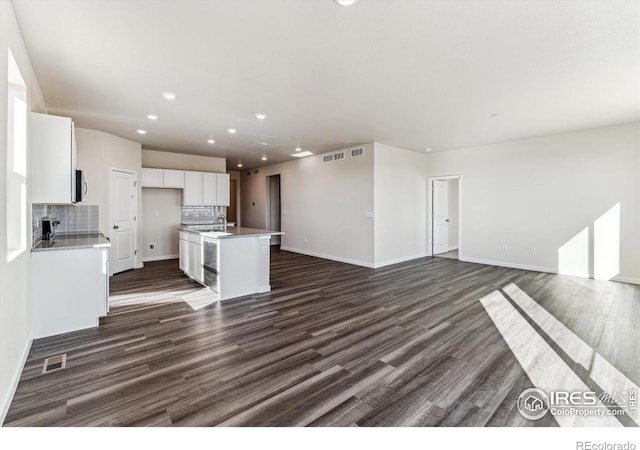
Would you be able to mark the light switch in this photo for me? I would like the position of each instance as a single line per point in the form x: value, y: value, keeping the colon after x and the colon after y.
x: 368, y: 214
x: 157, y: 214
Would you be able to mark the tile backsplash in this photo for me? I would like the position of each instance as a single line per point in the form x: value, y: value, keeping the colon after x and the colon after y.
x: 194, y: 215
x: 73, y: 219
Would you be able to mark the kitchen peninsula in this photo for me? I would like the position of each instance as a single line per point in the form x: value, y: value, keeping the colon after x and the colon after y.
x: 232, y: 261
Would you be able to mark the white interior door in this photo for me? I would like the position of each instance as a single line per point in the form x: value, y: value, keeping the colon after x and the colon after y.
x: 440, y: 217
x: 123, y: 216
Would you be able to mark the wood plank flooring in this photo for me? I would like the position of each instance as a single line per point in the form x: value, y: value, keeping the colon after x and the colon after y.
x: 331, y: 345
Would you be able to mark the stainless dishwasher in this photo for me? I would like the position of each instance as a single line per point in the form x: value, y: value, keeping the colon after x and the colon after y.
x: 211, y: 263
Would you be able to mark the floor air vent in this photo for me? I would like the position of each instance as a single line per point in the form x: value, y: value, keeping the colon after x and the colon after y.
x: 54, y: 363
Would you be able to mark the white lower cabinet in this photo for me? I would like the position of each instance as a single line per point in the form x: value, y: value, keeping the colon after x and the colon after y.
x: 191, y: 249
x: 184, y: 252
x: 69, y: 289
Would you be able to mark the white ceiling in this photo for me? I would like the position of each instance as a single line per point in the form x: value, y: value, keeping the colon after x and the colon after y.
x: 409, y: 73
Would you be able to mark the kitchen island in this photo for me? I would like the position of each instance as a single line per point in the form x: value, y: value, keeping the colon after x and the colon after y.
x: 232, y: 261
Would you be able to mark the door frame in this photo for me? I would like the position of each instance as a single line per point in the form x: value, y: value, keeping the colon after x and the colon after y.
x: 267, y: 220
x: 430, y: 181
x: 137, y: 259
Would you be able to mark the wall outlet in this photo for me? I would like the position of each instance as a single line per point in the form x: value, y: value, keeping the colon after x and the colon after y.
x: 305, y: 240
x: 409, y: 244
x: 532, y: 251
x: 505, y: 248
x: 152, y: 246
x: 157, y: 214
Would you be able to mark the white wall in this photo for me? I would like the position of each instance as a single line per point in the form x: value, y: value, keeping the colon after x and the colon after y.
x: 323, y: 206
x: 161, y: 210
x: 98, y: 152
x: 543, y: 192
x: 400, y: 199
x: 15, y: 320
x: 179, y: 161
x: 452, y: 230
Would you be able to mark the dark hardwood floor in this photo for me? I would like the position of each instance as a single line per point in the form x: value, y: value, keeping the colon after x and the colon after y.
x: 331, y: 345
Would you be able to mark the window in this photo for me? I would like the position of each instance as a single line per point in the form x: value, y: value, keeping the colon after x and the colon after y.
x: 16, y: 161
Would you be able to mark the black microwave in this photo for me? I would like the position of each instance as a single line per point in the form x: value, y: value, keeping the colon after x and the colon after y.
x: 81, y: 188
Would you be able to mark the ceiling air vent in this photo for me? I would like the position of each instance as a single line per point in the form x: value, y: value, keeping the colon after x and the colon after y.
x: 338, y: 156
x: 248, y: 173
x: 327, y: 158
x: 256, y: 172
x: 357, y: 152
x: 54, y: 363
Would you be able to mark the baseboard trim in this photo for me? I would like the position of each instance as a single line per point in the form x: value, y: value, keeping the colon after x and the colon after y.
x: 390, y: 262
x: 508, y: 265
x: 6, y: 402
x: 626, y: 280
x: 159, y: 258
x: 452, y: 248
x: 329, y: 257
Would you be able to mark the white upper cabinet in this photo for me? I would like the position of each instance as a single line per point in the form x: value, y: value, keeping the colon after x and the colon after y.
x: 200, y: 188
x: 53, y: 159
x: 162, y: 178
x: 152, y: 178
x: 209, y: 189
x: 173, y: 179
x: 192, y: 195
x: 222, y: 191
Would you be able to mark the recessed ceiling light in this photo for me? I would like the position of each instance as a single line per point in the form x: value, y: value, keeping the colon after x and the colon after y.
x: 141, y: 131
x: 264, y: 157
x: 264, y: 143
x: 302, y: 154
x: 152, y: 117
x: 239, y: 163
x: 169, y: 95
x: 493, y: 116
x: 427, y: 150
x: 346, y: 2
x: 298, y: 149
x: 261, y: 116
x: 211, y: 141
x: 232, y: 131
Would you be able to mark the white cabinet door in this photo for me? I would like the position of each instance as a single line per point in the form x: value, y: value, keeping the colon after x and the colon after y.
x: 173, y: 179
x: 152, y: 178
x: 184, y: 255
x: 209, y: 189
x: 51, y: 143
x: 192, y: 195
x: 192, y: 259
x: 222, y: 191
x: 198, y: 272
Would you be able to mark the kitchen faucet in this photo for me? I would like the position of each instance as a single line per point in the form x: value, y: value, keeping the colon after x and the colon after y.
x: 220, y: 219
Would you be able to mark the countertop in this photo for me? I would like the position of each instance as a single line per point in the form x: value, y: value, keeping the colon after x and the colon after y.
x: 231, y: 232
x: 73, y: 242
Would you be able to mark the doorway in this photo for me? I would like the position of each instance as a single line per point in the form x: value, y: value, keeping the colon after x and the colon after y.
x: 273, y: 208
x: 444, y: 230
x: 232, y: 209
x: 122, y: 224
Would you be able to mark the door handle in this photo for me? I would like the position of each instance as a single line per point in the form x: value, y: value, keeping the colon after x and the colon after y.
x: 115, y: 227
x: 447, y: 220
